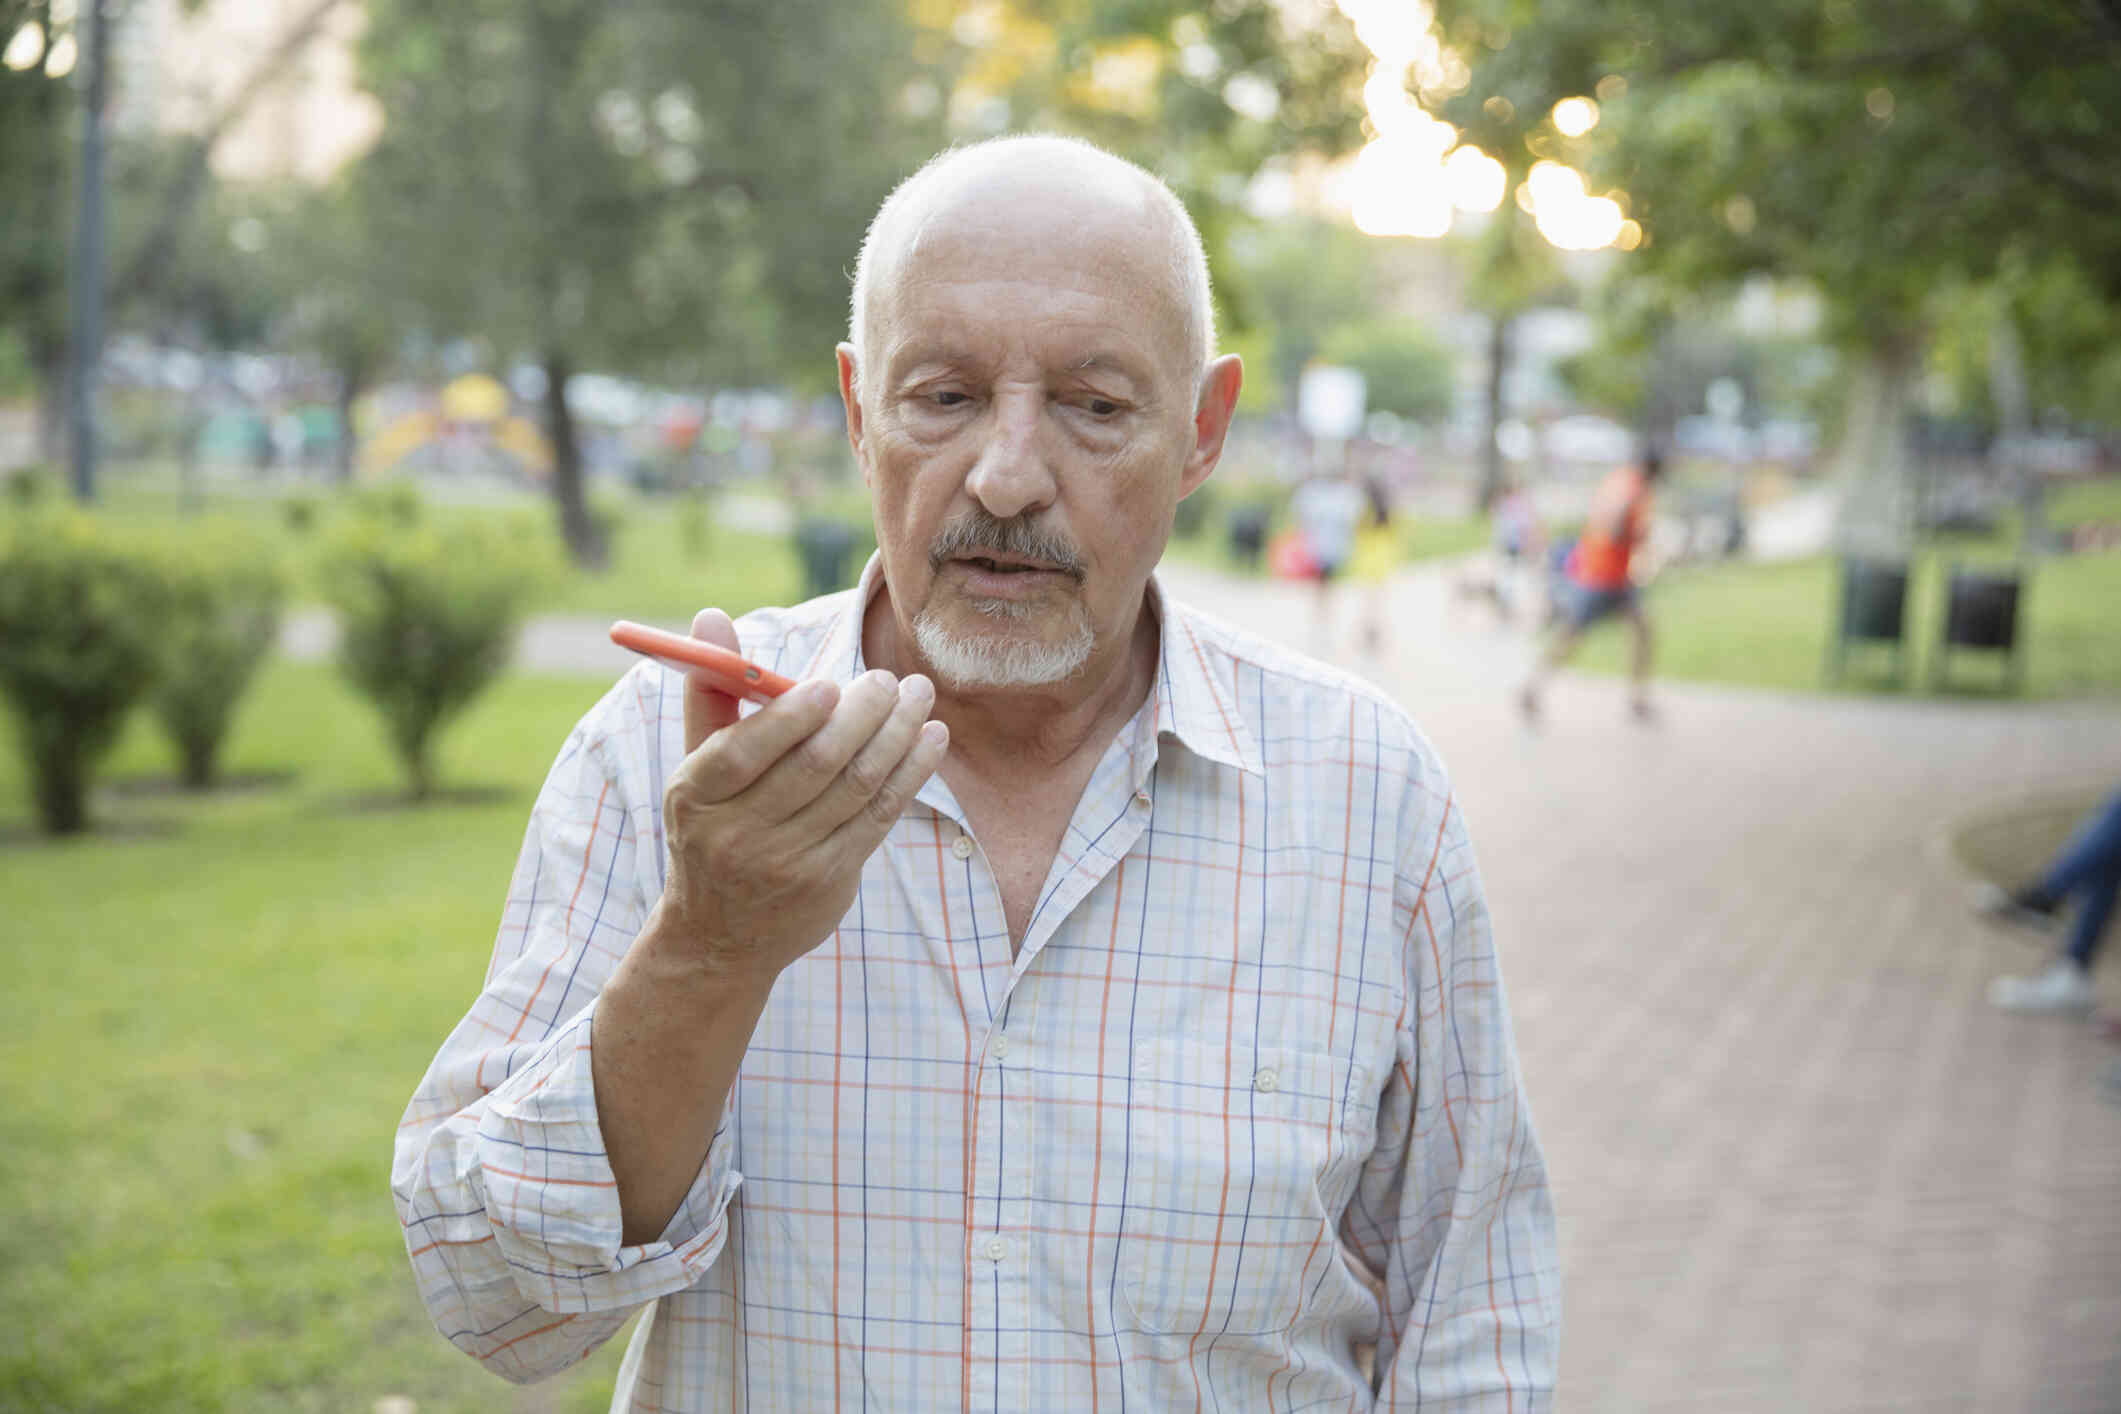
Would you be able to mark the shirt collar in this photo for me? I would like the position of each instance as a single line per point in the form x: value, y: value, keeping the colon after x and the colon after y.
x: 1193, y: 699
x: 1190, y: 701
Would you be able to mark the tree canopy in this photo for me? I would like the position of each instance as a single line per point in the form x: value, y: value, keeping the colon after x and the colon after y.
x: 1871, y: 149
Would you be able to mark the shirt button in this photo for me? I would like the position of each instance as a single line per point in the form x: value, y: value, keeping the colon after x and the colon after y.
x: 962, y: 846
x: 1267, y: 1081
x: 1001, y: 1047
x: 1141, y: 798
x: 997, y: 1249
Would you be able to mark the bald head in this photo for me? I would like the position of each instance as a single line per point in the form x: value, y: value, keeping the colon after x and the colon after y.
x: 1075, y: 189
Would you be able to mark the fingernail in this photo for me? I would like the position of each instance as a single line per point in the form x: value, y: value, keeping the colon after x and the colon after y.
x: 935, y: 734
x: 917, y: 690
x: 819, y: 694
x: 882, y: 678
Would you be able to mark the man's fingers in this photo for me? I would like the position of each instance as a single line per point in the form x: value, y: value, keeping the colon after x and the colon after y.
x: 798, y: 778
x: 871, y: 766
x: 708, y: 710
x: 734, y: 759
x: 866, y: 829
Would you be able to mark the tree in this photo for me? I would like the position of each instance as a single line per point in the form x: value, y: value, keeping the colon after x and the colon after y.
x: 1405, y: 370
x: 1872, y: 152
x: 1509, y: 269
x: 1206, y: 99
x: 160, y: 186
x: 35, y: 185
x: 653, y: 186
x: 328, y: 261
x: 1302, y: 281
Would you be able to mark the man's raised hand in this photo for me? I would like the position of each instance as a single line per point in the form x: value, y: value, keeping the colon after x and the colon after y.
x: 770, y: 818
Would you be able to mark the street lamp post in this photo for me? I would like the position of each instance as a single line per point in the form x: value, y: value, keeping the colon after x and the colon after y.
x: 85, y: 346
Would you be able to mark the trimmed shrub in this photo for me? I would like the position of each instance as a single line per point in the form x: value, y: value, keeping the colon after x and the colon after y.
x: 225, y: 595
x: 395, y: 501
x: 427, y: 619
x: 81, y: 613
x: 29, y: 487
x: 299, y: 511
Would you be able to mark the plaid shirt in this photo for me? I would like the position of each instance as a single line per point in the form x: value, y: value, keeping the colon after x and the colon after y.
x: 1244, y: 1103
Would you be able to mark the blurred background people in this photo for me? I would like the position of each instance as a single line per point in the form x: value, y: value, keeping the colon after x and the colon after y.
x: 2088, y: 868
x: 1328, y: 509
x: 1599, y: 580
x: 1372, y: 561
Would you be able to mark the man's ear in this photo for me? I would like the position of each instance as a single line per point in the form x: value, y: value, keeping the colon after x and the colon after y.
x: 1219, y: 386
x: 851, y: 400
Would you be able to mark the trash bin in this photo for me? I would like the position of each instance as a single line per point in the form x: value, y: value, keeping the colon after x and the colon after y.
x: 823, y: 546
x: 1873, y: 610
x: 1248, y: 534
x: 1980, y: 612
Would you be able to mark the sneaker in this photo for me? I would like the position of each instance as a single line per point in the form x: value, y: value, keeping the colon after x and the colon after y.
x: 2062, y: 988
x: 2026, y: 907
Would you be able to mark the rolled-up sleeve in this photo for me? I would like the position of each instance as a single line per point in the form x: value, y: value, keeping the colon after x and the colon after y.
x: 1453, y: 1209
x: 500, y: 1176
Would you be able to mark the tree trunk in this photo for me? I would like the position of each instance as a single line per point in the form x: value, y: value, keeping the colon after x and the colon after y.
x: 585, y: 543
x: 62, y: 790
x: 1499, y: 328
x: 1876, y: 467
x: 353, y: 376
x: 49, y: 360
x: 197, y: 763
x: 2013, y: 399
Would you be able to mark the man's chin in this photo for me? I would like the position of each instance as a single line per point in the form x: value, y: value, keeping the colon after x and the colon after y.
x: 969, y: 645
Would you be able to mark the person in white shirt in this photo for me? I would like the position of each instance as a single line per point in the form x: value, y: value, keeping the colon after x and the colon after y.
x: 1060, y: 999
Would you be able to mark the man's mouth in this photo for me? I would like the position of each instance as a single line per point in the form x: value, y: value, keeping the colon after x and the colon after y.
x: 1004, y: 566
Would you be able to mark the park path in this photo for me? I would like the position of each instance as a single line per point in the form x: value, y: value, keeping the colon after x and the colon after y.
x: 1799, y: 1163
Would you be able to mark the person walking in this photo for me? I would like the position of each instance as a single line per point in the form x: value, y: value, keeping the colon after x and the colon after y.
x: 1599, y: 580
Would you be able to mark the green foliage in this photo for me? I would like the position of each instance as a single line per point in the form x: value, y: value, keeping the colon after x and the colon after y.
x: 1152, y: 80
x: 225, y: 592
x: 657, y: 188
x: 394, y: 502
x: 298, y: 511
x: 428, y: 618
x: 1303, y: 280
x: 1862, y: 147
x: 31, y: 486
x: 80, y: 608
x: 1405, y: 370
x: 36, y: 164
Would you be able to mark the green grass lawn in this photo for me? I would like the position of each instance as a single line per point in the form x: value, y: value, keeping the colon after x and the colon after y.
x: 1770, y: 626
x: 221, y: 1006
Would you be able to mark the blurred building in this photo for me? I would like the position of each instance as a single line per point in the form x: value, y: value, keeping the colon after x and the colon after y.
x: 174, y: 72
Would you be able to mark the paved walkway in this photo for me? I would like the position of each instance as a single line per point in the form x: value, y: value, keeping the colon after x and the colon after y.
x: 1800, y: 1164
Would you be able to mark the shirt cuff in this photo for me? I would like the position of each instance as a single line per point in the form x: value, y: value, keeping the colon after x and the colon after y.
x: 554, y: 1205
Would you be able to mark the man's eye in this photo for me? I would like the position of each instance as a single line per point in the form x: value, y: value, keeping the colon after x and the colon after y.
x: 949, y: 398
x: 1100, y: 407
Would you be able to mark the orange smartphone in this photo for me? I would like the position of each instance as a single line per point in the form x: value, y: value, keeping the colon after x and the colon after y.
x: 737, y: 676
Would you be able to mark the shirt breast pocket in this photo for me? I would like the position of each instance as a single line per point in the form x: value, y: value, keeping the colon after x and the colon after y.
x: 1240, y: 1165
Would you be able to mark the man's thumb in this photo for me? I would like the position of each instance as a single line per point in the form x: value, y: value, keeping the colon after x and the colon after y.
x: 708, y: 709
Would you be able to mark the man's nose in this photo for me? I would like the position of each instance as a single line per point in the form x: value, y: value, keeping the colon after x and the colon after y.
x: 1014, y: 473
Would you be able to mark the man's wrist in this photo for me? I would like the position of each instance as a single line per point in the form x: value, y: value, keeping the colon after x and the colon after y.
x: 670, y: 957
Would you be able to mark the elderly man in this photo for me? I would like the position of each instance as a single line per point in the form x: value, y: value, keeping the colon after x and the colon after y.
x: 1060, y: 1000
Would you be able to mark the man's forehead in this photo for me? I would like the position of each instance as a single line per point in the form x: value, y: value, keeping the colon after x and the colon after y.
x: 1092, y: 263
